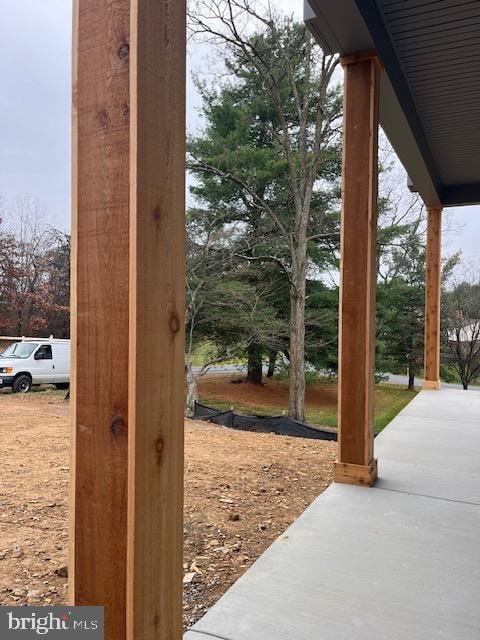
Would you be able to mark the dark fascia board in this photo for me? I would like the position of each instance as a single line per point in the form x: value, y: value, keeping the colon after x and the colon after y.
x: 397, y: 129
x: 336, y: 27
x: 373, y: 18
x: 461, y: 194
x: 340, y: 27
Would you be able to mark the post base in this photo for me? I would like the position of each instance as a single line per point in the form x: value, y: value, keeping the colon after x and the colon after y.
x: 431, y: 385
x: 359, y: 474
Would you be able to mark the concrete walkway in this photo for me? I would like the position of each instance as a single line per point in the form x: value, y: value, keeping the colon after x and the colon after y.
x: 400, y: 561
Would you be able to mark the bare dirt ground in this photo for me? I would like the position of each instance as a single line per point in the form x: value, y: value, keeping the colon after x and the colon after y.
x: 241, y: 491
x: 272, y: 393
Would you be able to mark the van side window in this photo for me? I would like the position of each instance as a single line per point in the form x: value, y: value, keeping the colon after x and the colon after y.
x: 44, y: 352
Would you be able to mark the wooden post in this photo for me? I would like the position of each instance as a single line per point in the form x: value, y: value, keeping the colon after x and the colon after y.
x: 127, y: 314
x: 157, y: 284
x: 432, y: 299
x: 355, y: 463
x: 99, y: 335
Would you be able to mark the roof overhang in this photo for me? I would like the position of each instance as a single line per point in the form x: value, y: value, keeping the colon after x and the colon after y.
x: 411, y: 117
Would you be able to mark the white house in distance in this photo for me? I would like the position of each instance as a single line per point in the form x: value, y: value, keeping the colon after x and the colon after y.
x: 468, y: 332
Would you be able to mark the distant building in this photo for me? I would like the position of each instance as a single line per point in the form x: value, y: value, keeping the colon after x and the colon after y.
x: 468, y: 332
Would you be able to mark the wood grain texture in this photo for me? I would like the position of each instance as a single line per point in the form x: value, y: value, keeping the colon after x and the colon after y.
x: 358, y: 263
x: 157, y: 272
x: 73, y: 316
x: 361, y: 56
x: 360, y: 474
x: 433, y: 273
x: 100, y: 308
x: 431, y: 385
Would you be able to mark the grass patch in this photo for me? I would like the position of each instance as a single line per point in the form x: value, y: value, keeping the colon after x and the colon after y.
x: 41, y: 390
x: 206, y: 352
x: 390, y: 399
x: 272, y: 400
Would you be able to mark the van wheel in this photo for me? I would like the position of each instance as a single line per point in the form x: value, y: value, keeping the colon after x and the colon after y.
x: 22, y: 384
x: 62, y: 385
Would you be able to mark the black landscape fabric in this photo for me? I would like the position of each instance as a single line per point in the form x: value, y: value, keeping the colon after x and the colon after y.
x: 282, y: 425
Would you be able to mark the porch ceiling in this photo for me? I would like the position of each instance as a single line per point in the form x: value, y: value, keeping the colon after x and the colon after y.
x: 430, y: 91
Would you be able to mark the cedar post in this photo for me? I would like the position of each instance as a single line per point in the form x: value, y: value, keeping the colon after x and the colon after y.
x: 355, y: 462
x: 157, y: 352
x: 432, y: 299
x: 99, y: 310
x: 127, y: 314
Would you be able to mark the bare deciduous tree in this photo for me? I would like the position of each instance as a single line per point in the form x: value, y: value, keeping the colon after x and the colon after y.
x: 295, y: 75
x: 34, y: 279
x: 461, y: 312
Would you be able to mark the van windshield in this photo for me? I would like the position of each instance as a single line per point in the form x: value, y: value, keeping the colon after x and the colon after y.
x: 20, y: 350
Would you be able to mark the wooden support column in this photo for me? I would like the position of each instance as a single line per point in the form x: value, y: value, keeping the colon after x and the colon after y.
x: 127, y: 314
x: 99, y: 309
x: 157, y: 350
x: 355, y: 462
x: 433, y: 274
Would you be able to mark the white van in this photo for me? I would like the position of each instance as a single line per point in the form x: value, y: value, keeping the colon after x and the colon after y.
x: 34, y: 361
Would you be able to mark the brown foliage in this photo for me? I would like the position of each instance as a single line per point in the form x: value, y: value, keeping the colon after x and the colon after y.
x: 34, y: 273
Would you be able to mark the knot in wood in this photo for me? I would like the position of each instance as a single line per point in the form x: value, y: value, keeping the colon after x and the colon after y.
x: 174, y: 323
x: 118, y: 426
x: 123, y: 52
x: 159, y: 449
x: 102, y: 119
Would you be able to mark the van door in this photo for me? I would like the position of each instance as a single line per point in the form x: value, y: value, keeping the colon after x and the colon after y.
x: 61, y: 360
x: 42, y: 368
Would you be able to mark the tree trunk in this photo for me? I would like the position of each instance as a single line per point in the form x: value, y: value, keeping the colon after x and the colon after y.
x: 271, y: 364
x: 411, y: 378
x: 465, y: 385
x: 411, y: 366
x: 192, y: 389
x: 254, y: 366
x: 296, y: 399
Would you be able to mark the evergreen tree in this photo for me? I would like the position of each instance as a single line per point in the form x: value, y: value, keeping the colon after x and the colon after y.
x: 401, y: 304
x: 269, y: 155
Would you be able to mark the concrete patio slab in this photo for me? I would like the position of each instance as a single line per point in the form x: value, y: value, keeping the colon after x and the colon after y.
x: 449, y: 404
x: 382, y: 563
x: 432, y: 447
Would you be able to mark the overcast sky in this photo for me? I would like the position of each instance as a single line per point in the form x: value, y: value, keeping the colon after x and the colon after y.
x: 35, y: 36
